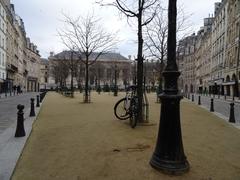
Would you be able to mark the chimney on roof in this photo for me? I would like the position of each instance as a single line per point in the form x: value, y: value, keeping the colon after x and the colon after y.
x: 51, y: 54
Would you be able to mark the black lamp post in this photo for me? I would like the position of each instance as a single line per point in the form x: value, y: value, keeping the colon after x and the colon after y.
x: 169, y: 154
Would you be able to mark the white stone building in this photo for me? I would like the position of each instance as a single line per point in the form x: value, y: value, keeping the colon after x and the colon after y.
x: 219, y: 37
x: 3, y: 29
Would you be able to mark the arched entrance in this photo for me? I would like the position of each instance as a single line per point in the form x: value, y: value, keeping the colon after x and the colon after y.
x: 186, y: 88
x: 235, y: 86
x: 200, y: 88
x: 191, y: 88
x: 222, y: 88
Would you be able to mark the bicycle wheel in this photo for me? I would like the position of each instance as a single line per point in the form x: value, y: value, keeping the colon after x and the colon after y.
x: 133, y: 113
x: 120, y: 109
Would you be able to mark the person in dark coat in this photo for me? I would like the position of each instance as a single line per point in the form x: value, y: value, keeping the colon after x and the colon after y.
x: 18, y: 89
x: 14, y: 89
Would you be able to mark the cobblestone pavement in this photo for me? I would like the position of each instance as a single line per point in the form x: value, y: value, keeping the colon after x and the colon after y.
x: 221, y: 105
x: 8, y: 108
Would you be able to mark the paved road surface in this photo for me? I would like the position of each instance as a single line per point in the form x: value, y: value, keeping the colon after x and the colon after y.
x: 220, y: 105
x: 8, y: 108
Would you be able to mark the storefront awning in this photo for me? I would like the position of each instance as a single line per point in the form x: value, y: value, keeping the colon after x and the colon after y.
x: 228, y: 83
x: 215, y: 82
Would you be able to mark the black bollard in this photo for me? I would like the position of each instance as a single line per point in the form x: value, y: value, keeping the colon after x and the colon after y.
x: 211, y: 107
x: 232, y: 116
x: 20, y: 132
x: 32, y: 111
x: 225, y: 97
x: 40, y: 97
x: 199, y: 100
x: 192, y: 97
x: 38, y: 104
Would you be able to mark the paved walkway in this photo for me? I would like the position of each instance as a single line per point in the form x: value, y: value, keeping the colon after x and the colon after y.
x: 71, y: 140
x: 11, y: 147
x: 8, y: 108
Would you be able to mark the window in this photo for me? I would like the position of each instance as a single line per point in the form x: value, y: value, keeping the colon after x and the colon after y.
x: 2, y: 59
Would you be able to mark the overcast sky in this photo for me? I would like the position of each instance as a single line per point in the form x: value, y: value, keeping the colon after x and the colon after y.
x: 42, y: 19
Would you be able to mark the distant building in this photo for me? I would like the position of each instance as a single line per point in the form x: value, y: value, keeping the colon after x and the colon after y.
x: 33, y: 67
x: 219, y: 37
x: 187, y: 63
x: 102, y: 72
x: 203, y: 56
x: 44, y: 76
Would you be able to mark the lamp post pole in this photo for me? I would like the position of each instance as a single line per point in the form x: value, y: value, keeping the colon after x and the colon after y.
x: 169, y: 154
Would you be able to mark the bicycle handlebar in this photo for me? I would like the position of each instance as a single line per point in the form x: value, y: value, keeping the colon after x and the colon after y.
x: 133, y: 87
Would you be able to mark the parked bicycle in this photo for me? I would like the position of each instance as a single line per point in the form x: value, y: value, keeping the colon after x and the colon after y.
x: 127, y: 107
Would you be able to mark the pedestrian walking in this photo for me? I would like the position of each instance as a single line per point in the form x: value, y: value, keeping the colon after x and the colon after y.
x: 18, y: 89
x: 14, y: 89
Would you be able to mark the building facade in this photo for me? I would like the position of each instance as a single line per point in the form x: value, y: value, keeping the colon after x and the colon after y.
x: 3, y: 37
x: 203, y: 63
x: 187, y: 63
x: 101, y: 73
x: 33, y: 67
x: 44, y: 74
x: 231, y: 74
x: 19, y: 62
x: 219, y: 39
x: 216, y: 54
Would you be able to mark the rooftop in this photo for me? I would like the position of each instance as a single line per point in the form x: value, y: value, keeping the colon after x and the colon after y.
x: 110, y: 56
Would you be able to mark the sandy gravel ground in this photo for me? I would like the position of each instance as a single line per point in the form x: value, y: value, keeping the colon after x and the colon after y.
x: 75, y: 141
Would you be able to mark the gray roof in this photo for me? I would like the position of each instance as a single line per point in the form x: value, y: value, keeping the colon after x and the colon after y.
x: 110, y: 56
x: 44, y: 61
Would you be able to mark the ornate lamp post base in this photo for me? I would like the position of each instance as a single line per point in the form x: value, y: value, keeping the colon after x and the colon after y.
x: 169, y: 167
x: 169, y: 156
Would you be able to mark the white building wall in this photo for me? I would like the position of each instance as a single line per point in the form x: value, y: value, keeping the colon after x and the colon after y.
x: 3, y: 27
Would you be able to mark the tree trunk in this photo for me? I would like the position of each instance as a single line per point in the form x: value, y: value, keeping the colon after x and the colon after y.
x: 140, y: 67
x: 72, y: 90
x: 86, y: 83
x: 71, y: 69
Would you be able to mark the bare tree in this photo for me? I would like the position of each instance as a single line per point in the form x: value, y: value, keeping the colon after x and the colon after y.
x: 156, y: 37
x: 79, y: 74
x: 59, y: 71
x: 86, y: 36
x: 144, y: 12
x: 71, y: 59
